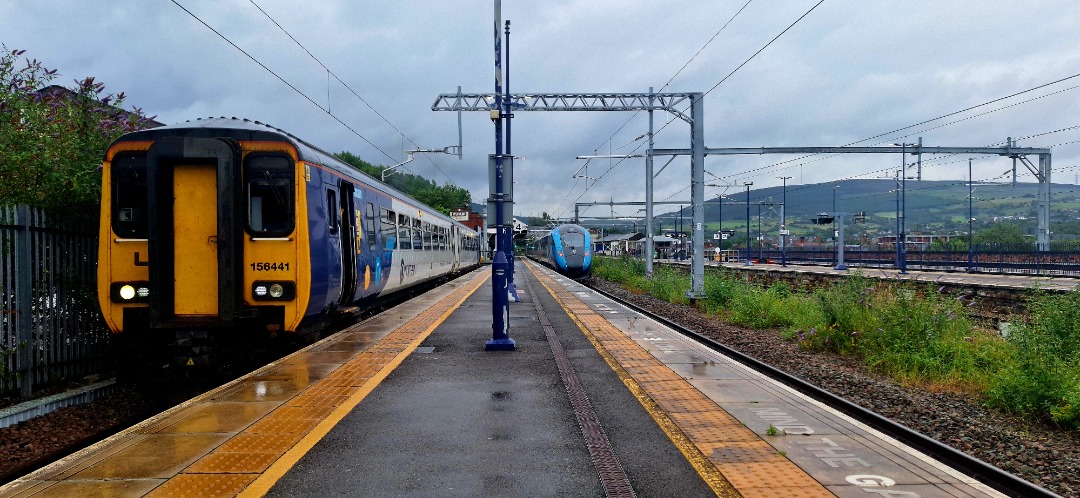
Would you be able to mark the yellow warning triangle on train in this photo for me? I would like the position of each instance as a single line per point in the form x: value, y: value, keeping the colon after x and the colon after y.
x: 190, y: 362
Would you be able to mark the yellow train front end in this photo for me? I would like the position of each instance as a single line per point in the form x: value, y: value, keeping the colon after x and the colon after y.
x: 200, y: 252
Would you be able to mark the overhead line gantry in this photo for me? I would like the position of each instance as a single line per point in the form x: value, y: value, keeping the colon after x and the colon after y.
x: 676, y: 103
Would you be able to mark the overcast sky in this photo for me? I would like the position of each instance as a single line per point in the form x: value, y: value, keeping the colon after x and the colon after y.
x: 848, y: 71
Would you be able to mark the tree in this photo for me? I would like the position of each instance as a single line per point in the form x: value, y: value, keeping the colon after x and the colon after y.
x: 360, y: 164
x: 1003, y: 233
x: 52, y: 139
x: 443, y: 198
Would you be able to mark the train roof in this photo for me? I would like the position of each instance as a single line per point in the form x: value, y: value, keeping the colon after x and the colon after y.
x: 570, y: 227
x: 241, y: 130
x: 250, y: 130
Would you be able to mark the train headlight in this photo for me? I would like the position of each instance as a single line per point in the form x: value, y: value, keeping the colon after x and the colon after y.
x: 130, y: 292
x: 273, y: 291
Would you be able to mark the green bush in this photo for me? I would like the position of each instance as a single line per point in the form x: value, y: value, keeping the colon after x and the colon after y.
x: 913, y: 333
x: 847, y: 313
x: 1044, y: 377
x: 720, y: 289
x: 669, y: 284
x: 759, y: 308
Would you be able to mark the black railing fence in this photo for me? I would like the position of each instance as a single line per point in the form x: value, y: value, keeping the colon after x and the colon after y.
x: 984, y: 258
x: 51, y: 327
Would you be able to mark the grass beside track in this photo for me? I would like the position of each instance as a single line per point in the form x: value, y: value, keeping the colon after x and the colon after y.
x: 909, y: 331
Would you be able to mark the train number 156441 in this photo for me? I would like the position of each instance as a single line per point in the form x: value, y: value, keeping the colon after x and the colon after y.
x: 261, y: 266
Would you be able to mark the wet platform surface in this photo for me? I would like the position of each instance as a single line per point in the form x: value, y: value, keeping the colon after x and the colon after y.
x: 408, y: 403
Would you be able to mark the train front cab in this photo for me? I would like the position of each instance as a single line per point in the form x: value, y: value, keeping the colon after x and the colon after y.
x: 572, y: 250
x: 192, y: 256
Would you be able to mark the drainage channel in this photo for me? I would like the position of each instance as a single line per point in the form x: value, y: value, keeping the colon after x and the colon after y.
x: 35, y: 408
x: 612, y: 476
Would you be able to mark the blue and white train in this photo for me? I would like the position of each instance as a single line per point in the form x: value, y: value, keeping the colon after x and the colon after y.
x: 567, y: 249
x: 219, y: 233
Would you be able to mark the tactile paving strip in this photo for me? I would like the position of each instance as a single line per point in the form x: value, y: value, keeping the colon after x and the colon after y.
x: 202, y: 485
x: 748, y: 464
x: 218, y: 444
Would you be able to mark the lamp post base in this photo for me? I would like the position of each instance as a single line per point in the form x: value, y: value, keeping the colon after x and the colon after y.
x: 507, y: 344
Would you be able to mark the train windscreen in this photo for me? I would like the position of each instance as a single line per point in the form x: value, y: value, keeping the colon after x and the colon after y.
x: 573, y: 240
x: 129, y: 216
x: 269, y: 191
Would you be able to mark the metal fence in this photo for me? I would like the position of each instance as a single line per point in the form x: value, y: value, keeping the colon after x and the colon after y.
x: 1024, y: 259
x: 51, y: 327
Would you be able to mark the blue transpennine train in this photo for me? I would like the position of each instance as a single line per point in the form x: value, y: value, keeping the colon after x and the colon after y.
x: 221, y: 233
x: 567, y: 249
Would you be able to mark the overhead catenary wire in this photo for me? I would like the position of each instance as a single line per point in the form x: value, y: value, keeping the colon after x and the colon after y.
x: 325, y: 109
x: 722, y: 80
x: 761, y: 170
x: 330, y: 72
x: 937, y: 160
x: 684, y: 66
x: 668, y: 83
x: 283, y: 80
x: 772, y: 167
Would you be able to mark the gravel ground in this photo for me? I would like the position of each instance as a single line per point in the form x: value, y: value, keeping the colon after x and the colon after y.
x: 1038, y: 452
x: 1034, y: 450
x: 41, y: 440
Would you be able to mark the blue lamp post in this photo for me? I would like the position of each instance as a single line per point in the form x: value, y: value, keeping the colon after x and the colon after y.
x: 783, y: 224
x: 748, y: 184
x: 902, y: 240
x: 970, y: 221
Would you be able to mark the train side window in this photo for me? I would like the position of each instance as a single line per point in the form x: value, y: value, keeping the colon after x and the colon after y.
x: 389, y: 228
x: 332, y: 211
x: 129, y: 193
x: 369, y: 225
x: 269, y: 191
x: 405, y: 232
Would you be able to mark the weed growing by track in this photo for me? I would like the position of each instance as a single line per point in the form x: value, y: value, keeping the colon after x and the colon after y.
x: 1044, y: 374
x: 909, y: 331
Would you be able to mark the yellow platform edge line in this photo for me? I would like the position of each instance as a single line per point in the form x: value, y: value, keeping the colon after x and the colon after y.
x: 708, y: 472
x: 261, y: 485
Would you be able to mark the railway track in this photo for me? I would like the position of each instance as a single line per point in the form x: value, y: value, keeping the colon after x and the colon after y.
x: 913, y: 415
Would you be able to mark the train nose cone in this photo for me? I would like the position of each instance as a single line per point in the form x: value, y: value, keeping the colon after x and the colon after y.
x: 575, y: 261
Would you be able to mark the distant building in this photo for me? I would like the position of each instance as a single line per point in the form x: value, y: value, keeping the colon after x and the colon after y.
x: 468, y: 218
x: 61, y: 93
x: 616, y: 244
x: 663, y: 246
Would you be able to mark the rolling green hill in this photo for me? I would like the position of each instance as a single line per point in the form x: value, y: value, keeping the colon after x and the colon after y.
x: 933, y: 207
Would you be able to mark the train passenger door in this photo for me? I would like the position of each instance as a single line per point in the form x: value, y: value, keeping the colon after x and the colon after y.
x: 372, y: 260
x: 195, y: 287
x: 194, y: 228
x: 350, y: 245
x: 454, y: 241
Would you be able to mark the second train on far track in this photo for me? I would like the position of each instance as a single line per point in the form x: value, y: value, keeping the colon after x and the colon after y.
x: 567, y: 249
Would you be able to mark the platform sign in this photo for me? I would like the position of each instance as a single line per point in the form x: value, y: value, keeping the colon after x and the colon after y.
x: 459, y: 215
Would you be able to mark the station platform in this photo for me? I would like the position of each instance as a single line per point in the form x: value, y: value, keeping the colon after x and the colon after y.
x: 596, y: 400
